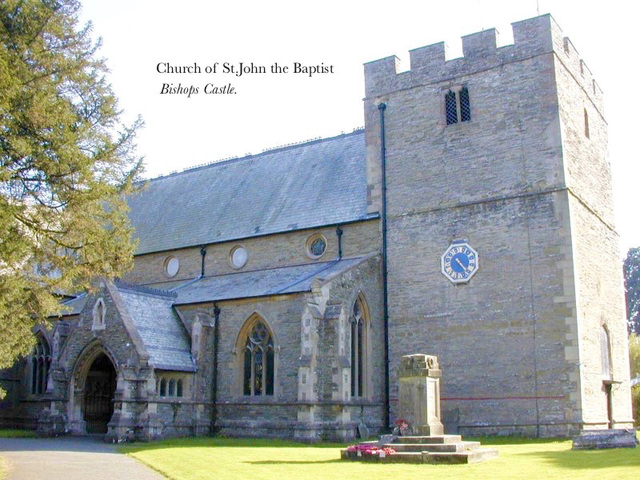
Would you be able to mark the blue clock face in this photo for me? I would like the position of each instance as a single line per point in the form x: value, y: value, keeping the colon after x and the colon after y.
x: 459, y: 262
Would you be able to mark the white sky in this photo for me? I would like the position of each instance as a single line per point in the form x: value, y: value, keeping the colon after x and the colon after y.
x: 271, y: 110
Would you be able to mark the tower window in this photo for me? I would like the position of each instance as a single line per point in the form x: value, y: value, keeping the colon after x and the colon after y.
x: 586, y: 123
x: 605, y: 350
x: 457, y: 105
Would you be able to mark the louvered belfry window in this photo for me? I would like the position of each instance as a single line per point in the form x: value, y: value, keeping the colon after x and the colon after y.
x: 457, y: 105
x: 452, y: 107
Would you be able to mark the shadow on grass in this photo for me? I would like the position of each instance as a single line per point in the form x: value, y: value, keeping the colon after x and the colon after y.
x: 590, y: 459
x: 222, y: 442
x: 294, y: 462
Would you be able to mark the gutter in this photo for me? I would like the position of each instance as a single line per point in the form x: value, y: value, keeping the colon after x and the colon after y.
x: 214, y: 381
x: 385, y: 296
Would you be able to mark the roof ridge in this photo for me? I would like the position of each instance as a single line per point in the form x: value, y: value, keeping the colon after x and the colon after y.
x: 267, y: 151
x: 145, y: 290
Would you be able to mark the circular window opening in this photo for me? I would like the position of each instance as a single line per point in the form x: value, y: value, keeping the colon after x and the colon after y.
x: 316, y: 246
x: 238, y: 257
x: 171, y: 266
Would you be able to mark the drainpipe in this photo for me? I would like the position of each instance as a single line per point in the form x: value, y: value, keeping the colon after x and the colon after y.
x: 385, y: 296
x: 214, y: 380
x: 339, y: 234
x: 203, y: 253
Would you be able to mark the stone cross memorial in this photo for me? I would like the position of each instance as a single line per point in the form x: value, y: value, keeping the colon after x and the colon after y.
x: 419, y: 437
x: 419, y: 395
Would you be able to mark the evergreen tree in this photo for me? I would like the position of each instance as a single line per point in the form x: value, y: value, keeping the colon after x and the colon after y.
x: 66, y: 162
x: 631, y: 269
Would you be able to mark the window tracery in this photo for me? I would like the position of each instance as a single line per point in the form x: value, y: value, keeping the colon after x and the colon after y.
x: 359, y: 326
x: 258, y: 365
x: 40, y: 365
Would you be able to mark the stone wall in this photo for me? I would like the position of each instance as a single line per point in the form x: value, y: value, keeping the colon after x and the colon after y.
x: 270, y: 251
x: 511, y: 342
x: 311, y: 357
x: 599, y: 282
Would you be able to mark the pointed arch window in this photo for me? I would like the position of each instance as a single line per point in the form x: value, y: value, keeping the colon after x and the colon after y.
x: 171, y: 385
x: 258, y: 364
x: 586, y: 123
x: 605, y: 347
x: 40, y: 365
x: 179, y: 388
x: 163, y: 387
x: 99, y: 313
x: 359, y: 327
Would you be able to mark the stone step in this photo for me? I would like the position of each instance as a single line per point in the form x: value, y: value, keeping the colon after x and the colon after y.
x: 451, y: 458
x: 430, y: 440
x: 472, y: 456
x: 434, y: 447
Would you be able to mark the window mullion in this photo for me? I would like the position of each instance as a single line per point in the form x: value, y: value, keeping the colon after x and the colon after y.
x: 253, y: 372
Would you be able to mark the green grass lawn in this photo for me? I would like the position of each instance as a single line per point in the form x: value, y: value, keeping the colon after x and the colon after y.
x: 7, y: 432
x: 224, y: 458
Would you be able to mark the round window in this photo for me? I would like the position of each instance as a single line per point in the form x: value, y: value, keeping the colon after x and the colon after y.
x: 171, y: 266
x: 238, y: 257
x: 316, y: 246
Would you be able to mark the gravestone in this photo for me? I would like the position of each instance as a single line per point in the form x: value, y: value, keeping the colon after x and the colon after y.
x: 599, y: 439
x: 419, y: 395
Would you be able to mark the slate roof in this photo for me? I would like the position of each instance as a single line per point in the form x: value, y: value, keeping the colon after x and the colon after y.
x: 318, y: 183
x: 74, y: 306
x: 162, y: 332
x: 259, y: 283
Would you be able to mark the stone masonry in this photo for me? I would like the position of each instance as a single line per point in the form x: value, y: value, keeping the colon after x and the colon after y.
x: 528, y: 186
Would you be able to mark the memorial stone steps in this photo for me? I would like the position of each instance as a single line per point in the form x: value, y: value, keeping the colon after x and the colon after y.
x: 440, y: 449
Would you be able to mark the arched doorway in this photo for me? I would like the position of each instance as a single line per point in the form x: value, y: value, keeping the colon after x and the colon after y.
x: 99, y: 391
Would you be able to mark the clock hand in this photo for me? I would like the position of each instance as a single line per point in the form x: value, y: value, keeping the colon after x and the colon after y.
x: 461, y: 265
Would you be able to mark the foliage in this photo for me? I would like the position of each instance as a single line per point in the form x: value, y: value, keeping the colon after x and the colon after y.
x: 206, y: 458
x: 635, y: 403
x: 65, y: 163
x: 634, y: 360
x: 631, y: 269
x: 634, y: 355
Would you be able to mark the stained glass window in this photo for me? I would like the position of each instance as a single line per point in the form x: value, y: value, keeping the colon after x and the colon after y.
x: 358, y: 350
x: 258, y: 361
x: 40, y: 364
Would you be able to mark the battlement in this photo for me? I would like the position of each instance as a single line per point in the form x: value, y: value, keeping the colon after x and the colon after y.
x: 481, y: 51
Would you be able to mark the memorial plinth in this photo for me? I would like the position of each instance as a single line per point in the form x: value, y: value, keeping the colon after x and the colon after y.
x: 419, y: 395
x: 419, y: 436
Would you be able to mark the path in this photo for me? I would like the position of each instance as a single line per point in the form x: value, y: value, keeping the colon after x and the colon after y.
x: 70, y: 458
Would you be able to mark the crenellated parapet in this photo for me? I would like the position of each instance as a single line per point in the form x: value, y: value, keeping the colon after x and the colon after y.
x: 481, y: 51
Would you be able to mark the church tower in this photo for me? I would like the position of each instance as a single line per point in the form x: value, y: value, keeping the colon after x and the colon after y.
x: 491, y: 171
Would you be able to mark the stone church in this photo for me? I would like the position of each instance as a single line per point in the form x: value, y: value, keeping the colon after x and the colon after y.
x: 273, y: 295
